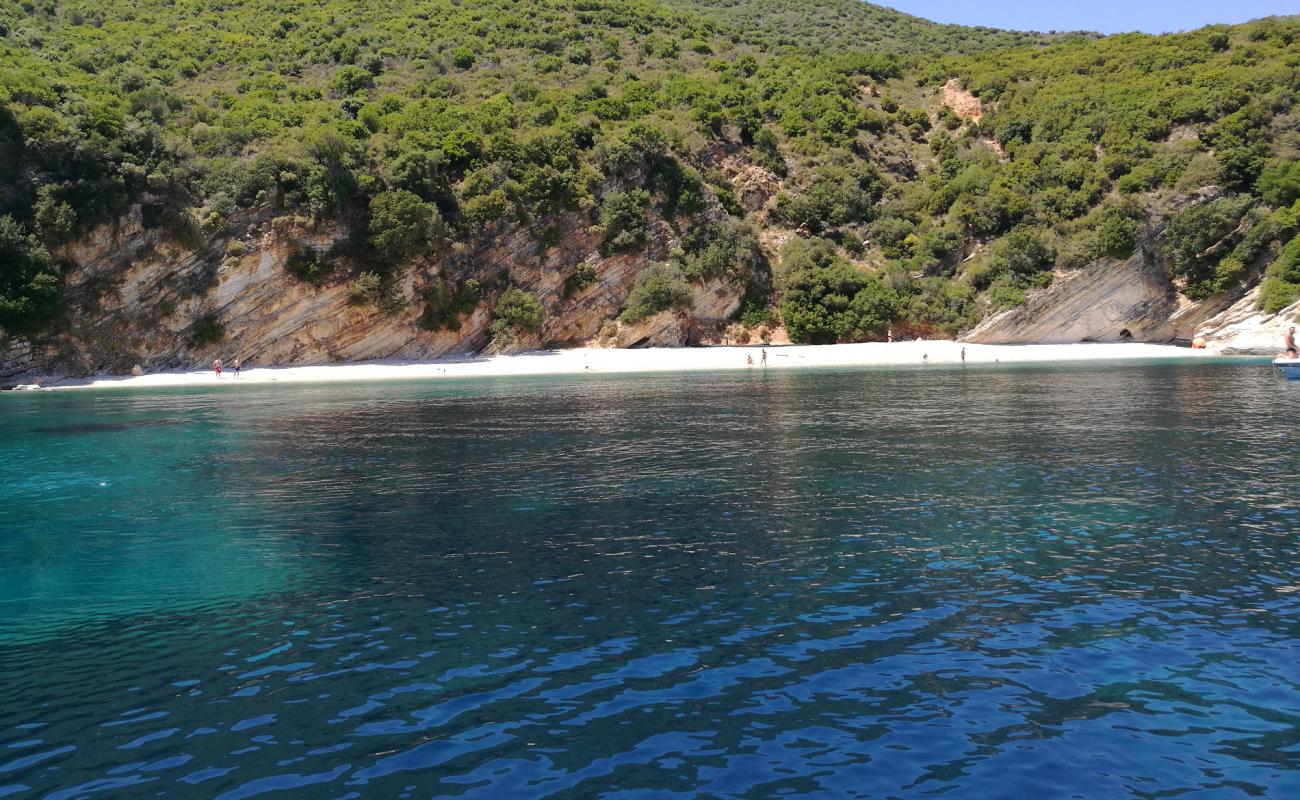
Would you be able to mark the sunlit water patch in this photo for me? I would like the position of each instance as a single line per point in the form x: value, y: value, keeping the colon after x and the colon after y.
x: 1035, y: 582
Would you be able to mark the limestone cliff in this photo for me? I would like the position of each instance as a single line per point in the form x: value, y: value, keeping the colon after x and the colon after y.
x: 1107, y: 301
x: 1134, y: 300
x: 137, y: 296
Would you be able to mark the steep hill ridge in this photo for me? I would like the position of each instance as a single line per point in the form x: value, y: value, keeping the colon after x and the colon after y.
x: 306, y: 182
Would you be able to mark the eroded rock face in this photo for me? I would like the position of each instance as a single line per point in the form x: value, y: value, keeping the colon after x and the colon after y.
x: 16, y: 360
x: 1241, y: 329
x: 715, y: 303
x: 1134, y: 300
x: 963, y: 103
x: 1106, y: 301
x: 137, y: 297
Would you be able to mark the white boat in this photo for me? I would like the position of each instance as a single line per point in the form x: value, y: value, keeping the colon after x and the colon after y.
x: 1289, y: 367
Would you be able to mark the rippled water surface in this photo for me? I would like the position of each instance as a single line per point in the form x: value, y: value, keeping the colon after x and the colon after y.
x: 1014, y: 583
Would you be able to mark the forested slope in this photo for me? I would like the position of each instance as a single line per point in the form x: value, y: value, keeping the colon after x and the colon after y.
x: 540, y: 171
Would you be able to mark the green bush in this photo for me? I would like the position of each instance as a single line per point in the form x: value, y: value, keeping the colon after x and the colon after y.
x: 838, y: 196
x: 521, y: 311
x: 30, y: 290
x: 1117, y: 232
x: 1006, y: 292
x: 728, y: 249
x: 826, y: 300
x: 462, y: 58
x: 445, y: 304
x: 306, y: 264
x: 207, y: 330
x: 1198, y: 236
x: 1281, y: 286
x: 623, y: 223
x: 349, y: 80
x: 767, y: 151
x: 402, y: 225
x: 1018, y: 257
x: 582, y: 276
x: 659, y: 287
x: 55, y: 219
x: 502, y: 332
x: 367, y: 288
x: 482, y: 210
x: 1279, y: 183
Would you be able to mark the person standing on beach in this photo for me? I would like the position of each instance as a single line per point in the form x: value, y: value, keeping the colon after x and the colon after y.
x: 236, y: 365
x: 763, y: 360
x: 216, y: 367
x: 889, y: 334
x: 1290, y: 342
x: 963, y: 356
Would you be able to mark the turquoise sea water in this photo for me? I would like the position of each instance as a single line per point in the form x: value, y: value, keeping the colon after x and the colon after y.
x: 1040, y: 582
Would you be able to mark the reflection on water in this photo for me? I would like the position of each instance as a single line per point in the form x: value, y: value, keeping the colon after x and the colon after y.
x: 1077, y: 582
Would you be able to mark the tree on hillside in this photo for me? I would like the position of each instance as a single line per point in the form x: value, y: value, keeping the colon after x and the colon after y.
x: 402, y: 225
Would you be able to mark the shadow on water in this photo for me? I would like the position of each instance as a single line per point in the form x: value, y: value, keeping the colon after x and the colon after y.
x: 104, y: 427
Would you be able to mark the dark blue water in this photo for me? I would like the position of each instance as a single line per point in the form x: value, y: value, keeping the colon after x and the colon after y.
x: 1031, y: 582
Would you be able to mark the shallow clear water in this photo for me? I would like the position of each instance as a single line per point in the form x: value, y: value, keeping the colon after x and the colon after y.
x: 1031, y: 582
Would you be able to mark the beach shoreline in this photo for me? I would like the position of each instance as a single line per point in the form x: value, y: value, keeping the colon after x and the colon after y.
x: 580, y: 361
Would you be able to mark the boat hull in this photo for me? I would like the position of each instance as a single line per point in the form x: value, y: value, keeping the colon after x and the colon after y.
x: 1289, y: 367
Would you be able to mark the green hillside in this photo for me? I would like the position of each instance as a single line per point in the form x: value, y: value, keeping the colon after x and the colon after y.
x: 427, y: 125
x: 836, y: 24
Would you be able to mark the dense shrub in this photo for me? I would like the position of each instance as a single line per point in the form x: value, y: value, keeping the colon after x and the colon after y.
x: 30, y: 290
x: 402, y: 225
x: 306, y: 264
x: 1279, y: 183
x: 349, y: 80
x: 207, y: 330
x: 1281, y: 286
x: 623, y: 224
x: 1016, y: 259
x: 367, y: 288
x: 767, y: 151
x: 659, y: 287
x: 828, y: 300
x: 582, y: 276
x: 446, y: 303
x: 1117, y: 231
x: 838, y: 196
x: 941, y: 305
x: 728, y: 249
x: 517, y: 311
x: 1197, y: 237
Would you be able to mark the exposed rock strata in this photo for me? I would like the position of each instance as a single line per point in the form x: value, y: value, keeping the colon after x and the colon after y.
x: 138, y: 297
x: 963, y: 103
x: 1107, y: 301
x: 1241, y: 329
x: 1134, y: 300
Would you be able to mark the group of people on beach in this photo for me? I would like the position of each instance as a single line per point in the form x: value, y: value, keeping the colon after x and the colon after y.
x: 235, y: 366
x: 749, y: 359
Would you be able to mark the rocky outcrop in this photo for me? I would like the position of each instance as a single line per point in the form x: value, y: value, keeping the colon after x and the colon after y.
x: 1106, y: 301
x: 963, y: 103
x: 1242, y: 329
x: 16, y: 360
x: 715, y: 303
x: 1134, y: 300
x: 137, y: 296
